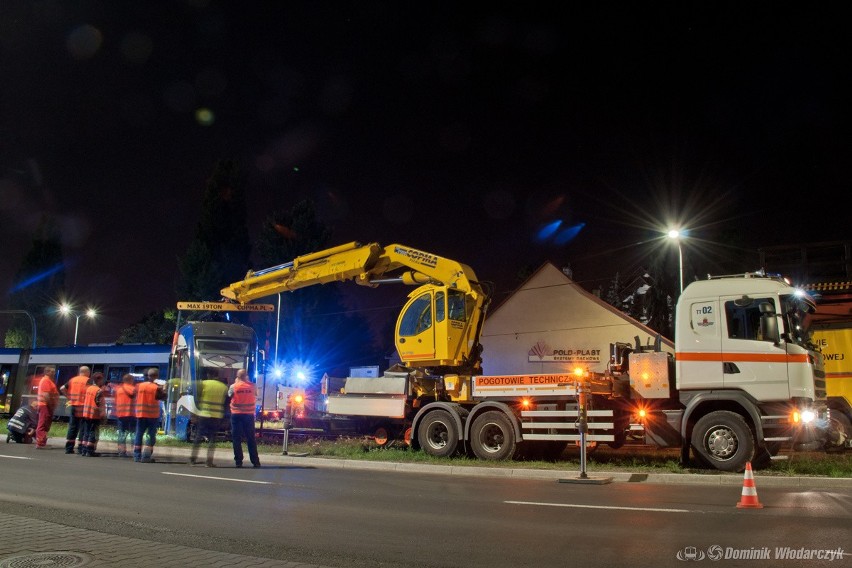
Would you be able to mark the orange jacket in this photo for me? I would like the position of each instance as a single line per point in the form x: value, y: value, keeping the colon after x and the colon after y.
x: 147, y: 395
x: 124, y: 395
x: 92, y: 403
x: 75, y: 390
x: 48, y: 395
x: 243, y: 398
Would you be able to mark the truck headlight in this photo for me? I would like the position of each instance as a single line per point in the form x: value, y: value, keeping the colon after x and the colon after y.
x: 808, y: 416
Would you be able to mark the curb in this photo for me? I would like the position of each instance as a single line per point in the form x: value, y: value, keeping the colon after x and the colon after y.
x: 720, y: 479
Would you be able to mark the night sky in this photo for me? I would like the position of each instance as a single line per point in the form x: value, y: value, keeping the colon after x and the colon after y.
x: 463, y: 130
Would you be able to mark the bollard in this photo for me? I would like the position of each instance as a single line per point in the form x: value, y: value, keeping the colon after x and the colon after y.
x: 286, y: 427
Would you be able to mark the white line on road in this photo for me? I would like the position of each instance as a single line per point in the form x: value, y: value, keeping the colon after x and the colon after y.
x: 574, y: 506
x: 221, y: 478
x: 15, y: 457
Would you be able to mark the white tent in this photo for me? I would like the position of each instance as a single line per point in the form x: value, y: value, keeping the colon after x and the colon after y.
x: 551, y: 325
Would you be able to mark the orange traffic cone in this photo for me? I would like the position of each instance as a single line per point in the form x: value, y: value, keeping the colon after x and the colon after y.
x: 749, y: 496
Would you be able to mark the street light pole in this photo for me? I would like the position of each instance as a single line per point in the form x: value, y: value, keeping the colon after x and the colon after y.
x: 66, y: 309
x: 675, y: 234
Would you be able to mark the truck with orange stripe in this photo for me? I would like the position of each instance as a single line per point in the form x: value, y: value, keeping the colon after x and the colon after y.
x: 744, y: 380
x: 834, y: 340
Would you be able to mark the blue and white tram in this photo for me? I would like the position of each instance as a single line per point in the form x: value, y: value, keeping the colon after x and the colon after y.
x: 114, y: 361
x: 204, y: 350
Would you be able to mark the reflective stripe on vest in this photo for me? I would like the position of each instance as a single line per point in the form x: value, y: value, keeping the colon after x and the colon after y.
x: 91, y: 408
x: 243, y: 400
x: 124, y: 400
x: 147, y: 405
x: 212, y: 403
x: 76, y: 390
x: 47, y: 393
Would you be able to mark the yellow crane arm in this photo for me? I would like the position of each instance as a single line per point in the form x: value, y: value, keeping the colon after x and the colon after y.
x: 367, y: 265
x: 438, y: 328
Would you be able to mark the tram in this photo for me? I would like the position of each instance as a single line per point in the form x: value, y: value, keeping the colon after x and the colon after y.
x: 21, y: 369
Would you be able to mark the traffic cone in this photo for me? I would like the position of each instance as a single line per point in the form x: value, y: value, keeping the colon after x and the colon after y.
x: 749, y: 496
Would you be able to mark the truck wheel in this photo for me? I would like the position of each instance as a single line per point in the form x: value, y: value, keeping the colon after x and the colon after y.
x: 437, y: 434
x: 492, y: 436
x: 723, y: 440
x: 840, y: 430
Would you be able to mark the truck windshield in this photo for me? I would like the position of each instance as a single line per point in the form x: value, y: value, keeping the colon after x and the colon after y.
x: 797, y: 312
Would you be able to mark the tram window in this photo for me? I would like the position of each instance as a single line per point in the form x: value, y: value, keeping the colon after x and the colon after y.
x: 143, y: 369
x: 64, y: 373
x: 184, y: 374
x: 114, y: 374
x: 219, y: 346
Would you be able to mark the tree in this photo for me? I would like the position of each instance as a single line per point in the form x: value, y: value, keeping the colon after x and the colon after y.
x: 221, y: 249
x: 659, y: 300
x: 37, y: 285
x: 614, y: 292
x: 156, y: 327
x: 317, y: 327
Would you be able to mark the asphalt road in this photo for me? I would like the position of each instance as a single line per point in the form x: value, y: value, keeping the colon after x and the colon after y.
x: 353, y: 518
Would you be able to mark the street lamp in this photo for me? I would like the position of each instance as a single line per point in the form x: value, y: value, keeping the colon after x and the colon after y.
x: 66, y: 310
x: 676, y: 235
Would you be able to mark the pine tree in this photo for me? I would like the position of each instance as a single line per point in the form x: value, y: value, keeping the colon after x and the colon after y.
x: 613, y: 293
x: 220, y: 251
x: 660, y: 298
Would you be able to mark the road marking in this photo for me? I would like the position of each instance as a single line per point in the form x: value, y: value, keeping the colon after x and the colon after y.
x: 15, y: 457
x: 221, y: 478
x: 574, y: 506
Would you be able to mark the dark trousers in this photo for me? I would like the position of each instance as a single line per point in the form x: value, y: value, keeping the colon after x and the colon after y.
x: 89, y: 435
x: 242, y: 428
x: 21, y: 438
x: 75, y: 430
x: 146, y: 427
x: 205, y: 428
x: 126, y: 427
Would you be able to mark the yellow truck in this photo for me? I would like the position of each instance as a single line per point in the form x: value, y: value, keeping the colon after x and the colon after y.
x: 835, y: 342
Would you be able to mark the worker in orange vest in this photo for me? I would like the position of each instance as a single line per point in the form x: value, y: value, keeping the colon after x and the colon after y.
x: 243, y: 395
x: 92, y: 413
x: 125, y: 412
x: 48, y: 397
x: 148, y: 397
x: 74, y: 390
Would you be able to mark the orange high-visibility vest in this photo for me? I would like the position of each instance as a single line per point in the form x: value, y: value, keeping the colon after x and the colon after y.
x: 147, y: 405
x: 243, y: 400
x: 124, y: 400
x: 92, y: 402
x: 76, y: 390
x: 47, y: 393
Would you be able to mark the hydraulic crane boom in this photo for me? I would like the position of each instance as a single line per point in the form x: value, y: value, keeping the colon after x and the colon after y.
x: 440, y: 325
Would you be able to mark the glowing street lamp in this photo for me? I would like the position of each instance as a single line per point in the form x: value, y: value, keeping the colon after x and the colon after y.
x: 66, y: 310
x: 676, y: 235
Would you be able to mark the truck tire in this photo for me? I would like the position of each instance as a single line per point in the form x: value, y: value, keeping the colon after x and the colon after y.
x: 841, y: 426
x: 492, y: 436
x: 723, y: 440
x: 437, y: 434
